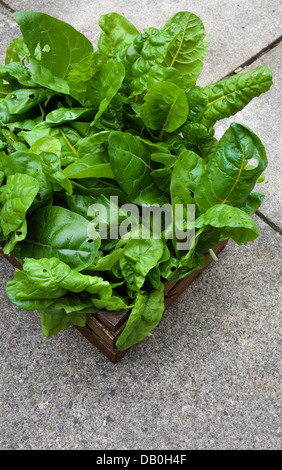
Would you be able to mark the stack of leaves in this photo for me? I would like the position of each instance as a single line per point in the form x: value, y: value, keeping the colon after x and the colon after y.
x: 79, y: 127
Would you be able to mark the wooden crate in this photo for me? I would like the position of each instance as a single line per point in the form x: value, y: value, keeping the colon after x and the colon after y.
x: 103, y: 328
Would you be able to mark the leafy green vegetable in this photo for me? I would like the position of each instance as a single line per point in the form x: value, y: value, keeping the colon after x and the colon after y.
x: 91, y: 140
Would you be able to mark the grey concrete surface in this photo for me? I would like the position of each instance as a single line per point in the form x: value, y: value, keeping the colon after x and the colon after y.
x: 209, y: 376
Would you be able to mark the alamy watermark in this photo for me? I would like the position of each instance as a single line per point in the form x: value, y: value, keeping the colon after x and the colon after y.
x: 111, y: 222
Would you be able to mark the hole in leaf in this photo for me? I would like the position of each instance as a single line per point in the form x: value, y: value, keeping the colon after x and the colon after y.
x: 45, y: 270
x: 90, y: 240
x: 32, y: 96
x: 254, y: 74
x: 173, y: 269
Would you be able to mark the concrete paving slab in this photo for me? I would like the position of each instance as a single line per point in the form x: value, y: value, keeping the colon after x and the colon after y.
x: 208, y: 378
x: 8, y: 30
x: 236, y: 30
x: 264, y: 116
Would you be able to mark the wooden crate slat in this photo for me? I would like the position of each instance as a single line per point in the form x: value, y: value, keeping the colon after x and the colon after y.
x: 113, y: 354
x: 113, y: 320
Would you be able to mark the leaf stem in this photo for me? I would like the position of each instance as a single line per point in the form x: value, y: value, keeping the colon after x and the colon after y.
x: 213, y: 255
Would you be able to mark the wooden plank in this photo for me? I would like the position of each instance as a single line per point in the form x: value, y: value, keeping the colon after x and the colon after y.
x: 12, y: 260
x: 113, y: 320
x: 113, y: 354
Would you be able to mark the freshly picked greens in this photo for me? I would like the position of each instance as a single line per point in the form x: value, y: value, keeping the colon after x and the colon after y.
x: 89, y: 138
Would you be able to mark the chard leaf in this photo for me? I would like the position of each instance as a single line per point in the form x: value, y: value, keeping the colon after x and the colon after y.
x: 80, y: 75
x: 138, y: 258
x: 200, y: 139
x: 115, y: 303
x: 104, y: 85
x: 252, y: 203
x: 118, y: 30
x: 232, y: 222
x: 147, y: 50
x: 51, y: 273
x: 57, y: 232
x: 221, y: 100
x: 60, y: 45
x: 43, y: 76
x: 185, y: 177
x: 16, y: 198
x: 144, y: 317
x: 165, y: 107
x: 90, y: 166
x: 19, y: 103
x: 64, y: 115
x: 54, y: 319
x: 189, y: 50
x: 28, y: 163
x: 227, y: 179
x: 28, y: 294
x: 16, y: 70
x: 130, y: 162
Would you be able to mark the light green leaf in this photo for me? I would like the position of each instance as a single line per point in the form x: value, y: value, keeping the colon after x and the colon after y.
x: 223, y: 99
x: 231, y: 221
x: 61, y: 46
x: 144, y: 317
x: 189, y: 50
x: 118, y: 29
x: 57, y: 232
x: 130, y: 162
x: 16, y: 198
x: 227, y: 179
x: 165, y: 107
x: 138, y: 258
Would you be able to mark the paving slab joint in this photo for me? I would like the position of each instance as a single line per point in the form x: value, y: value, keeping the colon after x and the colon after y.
x: 5, y: 5
x: 269, y: 222
x: 255, y: 57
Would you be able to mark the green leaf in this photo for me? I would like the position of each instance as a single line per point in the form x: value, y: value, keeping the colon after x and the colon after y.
x: 89, y: 166
x: 252, y: 203
x: 51, y: 273
x: 16, y: 71
x: 44, y: 77
x: 80, y: 75
x: 200, y: 139
x: 60, y: 45
x: 115, y: 303
x: 53, y: 320
x: 20, y: 103
x: 57, y: 232
x: 138, y: 258
x: 16, y: 198
x: 144, y: 317
x: 185, y: 177
x: 189, y: 50
x: 28, y: 163
x: 27, y: 296
x: 130, y: 162
x: 165, y: 107
x: 232, y: 222
x: 104, y: 85
x: 223, y: 99
x: 227, y: 179
x: 118, y: 29
x: 64, y: 115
